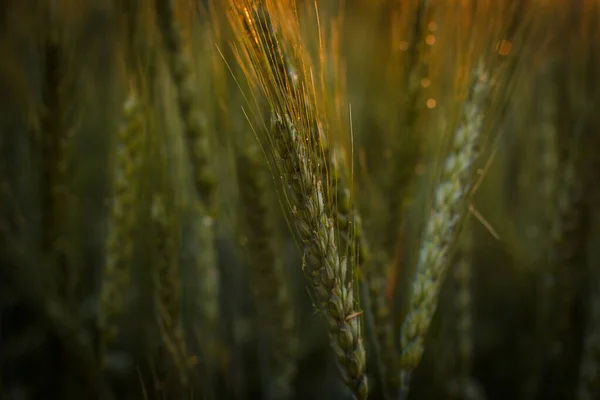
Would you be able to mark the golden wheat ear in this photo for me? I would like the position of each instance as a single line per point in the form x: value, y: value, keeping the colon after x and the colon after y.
x: 300, y: 150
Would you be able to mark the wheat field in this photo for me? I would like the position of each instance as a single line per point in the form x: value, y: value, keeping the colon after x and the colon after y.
x: 292, y: 199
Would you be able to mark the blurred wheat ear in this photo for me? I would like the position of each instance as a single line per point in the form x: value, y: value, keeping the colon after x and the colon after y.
x: 120, y: 244
x: 197, y: 149
x: 271, y: 292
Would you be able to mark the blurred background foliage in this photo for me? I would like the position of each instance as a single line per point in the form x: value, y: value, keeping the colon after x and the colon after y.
x: 77, y: 77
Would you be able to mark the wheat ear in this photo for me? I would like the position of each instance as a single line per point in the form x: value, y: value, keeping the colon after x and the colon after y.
x: 328, y: 274
x: 446, y: 216
x: 298, y: 146
x: 122, y: 223
x: 205, y: 261
x: 198, y: 151
x: 269, y: 286
x: 568, y: 248
x: 195, y: 125
x: 167, y: 287
x: 549, y: 177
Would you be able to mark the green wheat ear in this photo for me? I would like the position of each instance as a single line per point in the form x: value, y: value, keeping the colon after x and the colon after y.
x: 198, y: 151
x: 577, y: 138
x: 270, y: 290
x: 167, y: 291
x: 447, y: 215
x: 549, y: 178
x: 195, y: 126
x: 120, y: 245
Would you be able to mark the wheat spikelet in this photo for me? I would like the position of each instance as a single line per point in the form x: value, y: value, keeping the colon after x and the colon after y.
x: 446, y: 216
